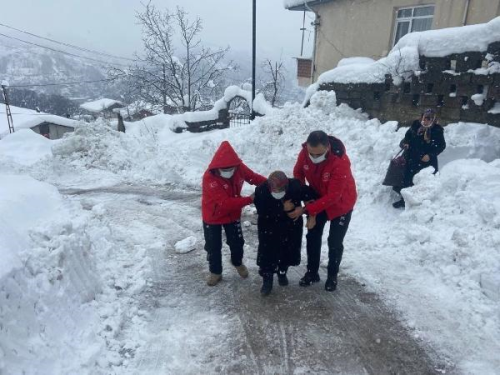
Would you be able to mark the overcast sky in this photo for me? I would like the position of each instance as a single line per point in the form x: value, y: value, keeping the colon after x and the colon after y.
x: 110, y: 25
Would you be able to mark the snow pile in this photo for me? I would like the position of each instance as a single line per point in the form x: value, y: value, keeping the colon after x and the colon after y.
x: 355, y: 61
x: 97, y: 106
x: 186, y: 245
x: 25, y: 147
x: 63, y: 303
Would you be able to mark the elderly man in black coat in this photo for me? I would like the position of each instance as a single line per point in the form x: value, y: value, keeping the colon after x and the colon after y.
x: 422, y: 143
x: 280, y: 238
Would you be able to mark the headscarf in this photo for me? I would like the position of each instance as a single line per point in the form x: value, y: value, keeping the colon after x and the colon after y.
x: 278, y: 181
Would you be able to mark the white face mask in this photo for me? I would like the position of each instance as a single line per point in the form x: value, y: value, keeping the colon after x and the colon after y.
x: 278, y: 195
x: 319, y: 159
x: 227, y: 173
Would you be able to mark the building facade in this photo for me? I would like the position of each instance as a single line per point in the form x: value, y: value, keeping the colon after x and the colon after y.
x: 370, y: 28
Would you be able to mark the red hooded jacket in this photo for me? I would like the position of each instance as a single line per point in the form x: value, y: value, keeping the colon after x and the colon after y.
x: 331, y: 179
x: 221, y: 202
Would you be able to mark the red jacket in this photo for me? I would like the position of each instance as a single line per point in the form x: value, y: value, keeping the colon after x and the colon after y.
x: 221, y: 202
x: 331, y: 179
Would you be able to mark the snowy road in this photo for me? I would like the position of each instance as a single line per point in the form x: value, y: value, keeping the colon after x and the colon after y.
x: 231, y: 329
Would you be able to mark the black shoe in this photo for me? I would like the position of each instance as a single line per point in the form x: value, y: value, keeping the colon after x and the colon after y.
x: 399, y: 204
x: 331, y: 284
x: 267, y: 284
x: 309, y: 279
x: 282, y: 279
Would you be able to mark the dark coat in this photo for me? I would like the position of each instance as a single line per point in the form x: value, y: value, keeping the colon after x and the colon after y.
x: 280, y: 238
x: 419, y: 147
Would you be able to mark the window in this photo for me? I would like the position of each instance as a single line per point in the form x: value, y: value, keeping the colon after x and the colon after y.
x: 409, y: 20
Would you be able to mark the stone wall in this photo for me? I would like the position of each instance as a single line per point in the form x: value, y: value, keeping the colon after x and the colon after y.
x: 446, y: 84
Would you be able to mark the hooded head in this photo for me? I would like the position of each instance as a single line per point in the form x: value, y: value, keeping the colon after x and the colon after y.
x: 225, y: 157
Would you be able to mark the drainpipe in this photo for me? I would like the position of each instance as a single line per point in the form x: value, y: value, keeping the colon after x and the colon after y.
x: 316, y: 24
x: 466, y: 12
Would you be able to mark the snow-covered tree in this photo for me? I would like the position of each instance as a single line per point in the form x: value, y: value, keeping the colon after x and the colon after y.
x: 181, y: 76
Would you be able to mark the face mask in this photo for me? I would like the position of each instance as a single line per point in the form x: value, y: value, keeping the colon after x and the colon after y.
x: 319, y: 159
x: 278, y: 195
x: 227, y: 173
x: 429, y: 124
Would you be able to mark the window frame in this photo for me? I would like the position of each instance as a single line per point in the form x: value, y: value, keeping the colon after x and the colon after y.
x: 398, y: 20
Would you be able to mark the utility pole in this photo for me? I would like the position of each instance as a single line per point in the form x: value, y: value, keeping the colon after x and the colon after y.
x: 10, y: 120
x: 254, y: 35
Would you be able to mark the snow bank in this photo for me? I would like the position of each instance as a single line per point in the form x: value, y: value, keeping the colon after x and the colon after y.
x: 62, y: 302
x: 355, y: 61
x: 25, y: 147
x: 46, y: 254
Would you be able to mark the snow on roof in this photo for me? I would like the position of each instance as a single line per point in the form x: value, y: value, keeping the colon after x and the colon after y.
x: 300, y: 4
x: 444, y: 42
x: 27, y: 118
x: 99, y: 105
x: 404, y: 57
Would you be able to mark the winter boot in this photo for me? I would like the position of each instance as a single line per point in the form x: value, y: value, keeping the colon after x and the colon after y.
x: 331, y: 283
x: 399, y: 204
x: 213, y: 279
x: 309, y: 278
x: 242, y: 271
x: 267, y: 284
x: 282, y: 279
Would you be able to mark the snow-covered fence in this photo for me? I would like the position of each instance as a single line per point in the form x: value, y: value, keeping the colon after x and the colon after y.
x: 456, y: 71
x: 218, y: 117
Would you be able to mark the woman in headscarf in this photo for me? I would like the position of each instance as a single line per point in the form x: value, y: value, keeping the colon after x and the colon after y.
x: 422, y: 143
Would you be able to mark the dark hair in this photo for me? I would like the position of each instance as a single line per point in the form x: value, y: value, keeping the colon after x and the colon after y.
x: 318, y: 137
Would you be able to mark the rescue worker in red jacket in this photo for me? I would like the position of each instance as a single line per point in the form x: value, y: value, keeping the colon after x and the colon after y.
x: 221, y: 205
x: 324, y: 164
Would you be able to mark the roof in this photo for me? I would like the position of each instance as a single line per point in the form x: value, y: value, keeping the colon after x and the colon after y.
x: 301, y: 4
x: 99, y: 105
x: 27, y: 118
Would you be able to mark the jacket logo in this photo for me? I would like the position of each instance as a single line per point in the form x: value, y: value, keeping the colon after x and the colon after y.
x: 213, y: 185
x: 226, y: 186
x: 326, y: 176
x: 306, y: 167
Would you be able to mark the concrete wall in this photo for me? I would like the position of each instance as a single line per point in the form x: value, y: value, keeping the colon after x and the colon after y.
x: 350, y: 28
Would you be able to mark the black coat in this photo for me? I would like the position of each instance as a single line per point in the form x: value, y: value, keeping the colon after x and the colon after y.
x: 280, y: 238
x: 420, y: 147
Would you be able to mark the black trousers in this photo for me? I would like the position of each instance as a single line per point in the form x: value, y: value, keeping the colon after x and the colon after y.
x: 338, y: 230
x: 213, y: 244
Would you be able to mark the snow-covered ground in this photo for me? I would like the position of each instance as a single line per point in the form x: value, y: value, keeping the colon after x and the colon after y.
x: 436, y: 262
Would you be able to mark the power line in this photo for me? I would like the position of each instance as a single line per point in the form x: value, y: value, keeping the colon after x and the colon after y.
x: 63, y: 52
x: 67, y: 44
x: 63, y: 83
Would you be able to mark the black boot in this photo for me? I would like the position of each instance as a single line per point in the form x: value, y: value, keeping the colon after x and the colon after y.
x: 331, y: 283
x: 267, y: 284
x: 399, y: 204
x: 282, y: 279
x: 309, y: 278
